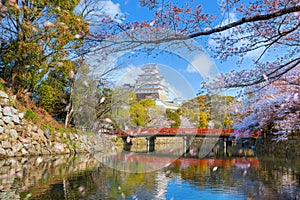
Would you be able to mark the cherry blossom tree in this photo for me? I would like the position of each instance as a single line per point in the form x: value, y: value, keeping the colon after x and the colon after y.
x: 275, y: 108
x: 267, y: 28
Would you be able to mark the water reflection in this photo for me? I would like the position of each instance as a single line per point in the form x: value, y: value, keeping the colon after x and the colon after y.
x: 84, y: 177
x: 19, y: 176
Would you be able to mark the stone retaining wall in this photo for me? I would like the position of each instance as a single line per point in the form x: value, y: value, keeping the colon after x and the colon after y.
x: 289, y: 148
x: 18, y: 137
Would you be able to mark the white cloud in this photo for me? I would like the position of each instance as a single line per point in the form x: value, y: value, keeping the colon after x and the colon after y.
x: 201, y: 64
x: 96, y: 11
x: 111, y: 9
x: 177, y: 84
x: 128, y: 75
x: 191, y: 69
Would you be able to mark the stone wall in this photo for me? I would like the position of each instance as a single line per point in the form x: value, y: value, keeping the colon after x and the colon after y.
x: 19, y: 137
x: 286, y: 148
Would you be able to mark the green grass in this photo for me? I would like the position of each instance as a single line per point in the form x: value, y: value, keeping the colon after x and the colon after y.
x: 47, y: 126
x: 2, y: 87
x: 31, y: 115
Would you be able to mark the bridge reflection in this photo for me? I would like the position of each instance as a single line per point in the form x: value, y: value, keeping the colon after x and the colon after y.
x: 152, y: 161
x: 188, y: 161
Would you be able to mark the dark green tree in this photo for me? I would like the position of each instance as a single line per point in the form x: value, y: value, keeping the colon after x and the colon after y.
x: 140, y: 112
x: 173, y: 117
x: 37, y: 37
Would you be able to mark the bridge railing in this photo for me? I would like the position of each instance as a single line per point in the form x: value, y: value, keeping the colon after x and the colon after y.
x: 184, y: 131
x: 175, y: 131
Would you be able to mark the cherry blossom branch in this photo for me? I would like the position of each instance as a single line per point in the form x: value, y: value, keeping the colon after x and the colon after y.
x: 244, y: 20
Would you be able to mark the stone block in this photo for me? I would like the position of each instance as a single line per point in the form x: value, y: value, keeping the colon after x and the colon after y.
x: 35, y: 128
x: 19, y: 128
x: 35, y: 137
x: 24, y: 122
x: 40, y: 132
x: 21, y: 115
x: 16, y: 119
x: 7, y: 111
x: 18, y: 154
x: 2, y: 152
x: 4, y: 102
x: 24, y: 152
x: 28, y: 134
x: 17, y: 147
x: 1, y: 122
x: 14, y: 111
x: 25, y: 140
x: 1, y: 129
x: 9, y: 153
x: 13, y: 133
x: 3, y: 94
x: 47, y: 133
x: 3, y: 136
x: 5, y: 144
x: 29, y: 127
x: 7, y: 119
x: 10, y: 125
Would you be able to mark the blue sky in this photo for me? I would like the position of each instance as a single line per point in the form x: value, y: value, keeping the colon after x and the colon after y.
x: 132, y: 11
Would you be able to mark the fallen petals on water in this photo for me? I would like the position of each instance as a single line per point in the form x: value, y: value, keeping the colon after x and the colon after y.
x: 128, y: 139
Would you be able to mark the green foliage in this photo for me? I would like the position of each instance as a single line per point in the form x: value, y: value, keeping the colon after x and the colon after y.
x: 2, y: 87
x: 139, y: 112
x: 147, y: 103
x: 228, y: 122
x: 31, y: 115
x: 36, y: 47
x: 47, y: 126
x: 54, y: 91
x: 66, y: 130
x: 48, y: 95
x: 202, y: 120
x: 203, y: 109
x: 174, y: 117
x: 74, y: 146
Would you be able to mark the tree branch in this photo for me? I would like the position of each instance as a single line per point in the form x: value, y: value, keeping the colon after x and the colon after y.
x: 255, y: 18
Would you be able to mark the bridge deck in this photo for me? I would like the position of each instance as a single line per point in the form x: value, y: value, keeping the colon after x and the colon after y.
x: 179, y: 132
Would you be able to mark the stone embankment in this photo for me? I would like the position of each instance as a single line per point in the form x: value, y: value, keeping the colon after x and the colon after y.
x: 286, y: 148
x: 20, y: 137
x: 31, y: 176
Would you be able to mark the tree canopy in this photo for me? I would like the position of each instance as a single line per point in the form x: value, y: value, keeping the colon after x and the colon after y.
x: 36, y: 44
x: 39, y: 39
x: 266, y: 28
x: 276, y: 109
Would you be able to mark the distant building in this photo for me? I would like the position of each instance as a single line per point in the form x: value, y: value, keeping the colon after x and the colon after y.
x: 149, y: 84
x: 127, y: 86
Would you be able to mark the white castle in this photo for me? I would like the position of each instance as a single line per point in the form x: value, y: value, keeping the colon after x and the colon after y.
x: 149, y: 84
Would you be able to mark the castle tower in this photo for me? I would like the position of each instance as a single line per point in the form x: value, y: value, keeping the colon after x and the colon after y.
x: 149, y: 84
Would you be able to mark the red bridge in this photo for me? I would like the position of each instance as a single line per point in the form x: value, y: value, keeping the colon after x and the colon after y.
x: 186, y: 133
x: 180, y: 132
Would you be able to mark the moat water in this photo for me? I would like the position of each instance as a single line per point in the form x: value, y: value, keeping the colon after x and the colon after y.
x: 244, y: 176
